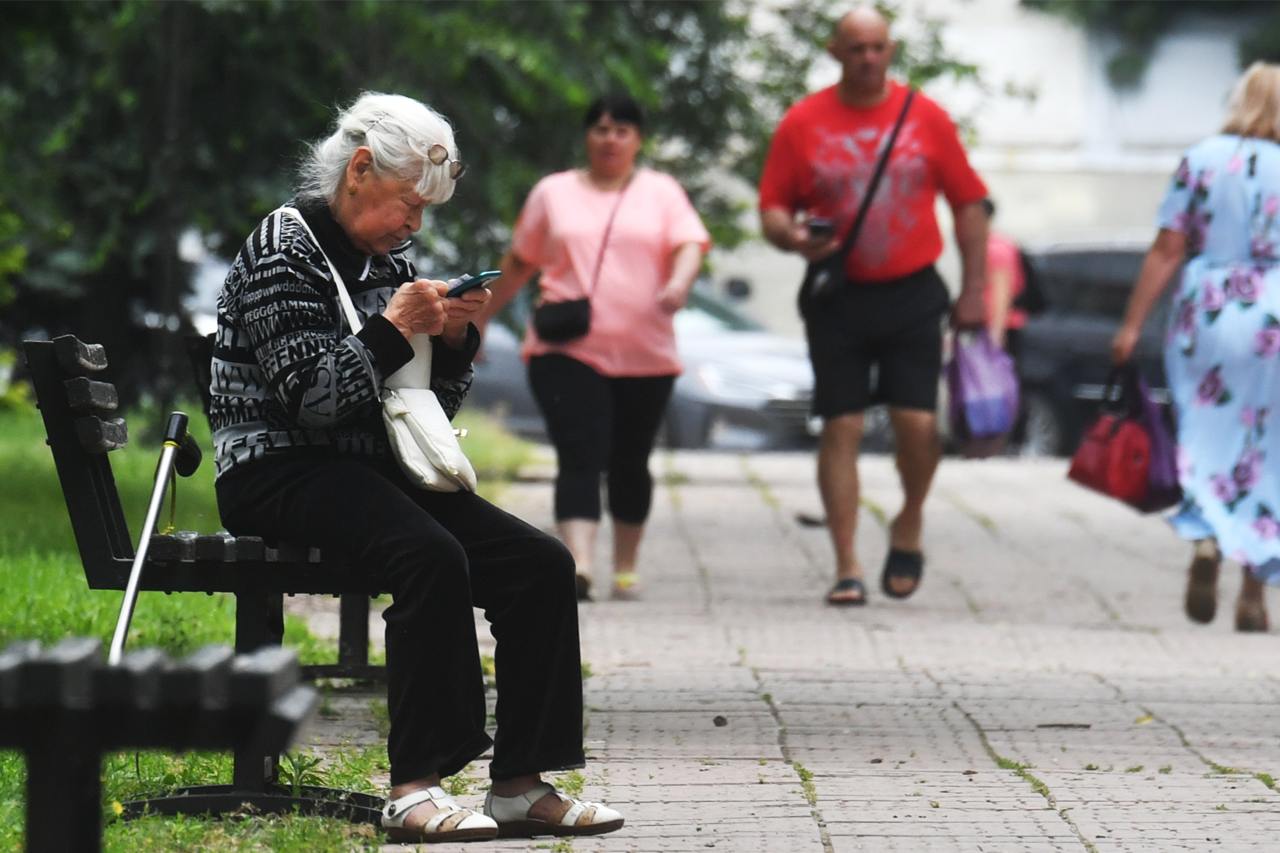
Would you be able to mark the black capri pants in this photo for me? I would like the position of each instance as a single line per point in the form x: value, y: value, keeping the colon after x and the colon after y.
x: 440, y: 554
x: 600, y: 425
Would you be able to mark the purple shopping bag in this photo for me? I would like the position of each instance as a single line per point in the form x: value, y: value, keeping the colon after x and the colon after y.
x: 1162, y: 477
x: 983, y: 389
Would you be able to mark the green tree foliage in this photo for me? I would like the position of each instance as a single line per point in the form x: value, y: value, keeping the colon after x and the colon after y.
x: 1139, y: 24
x: 125, y: 123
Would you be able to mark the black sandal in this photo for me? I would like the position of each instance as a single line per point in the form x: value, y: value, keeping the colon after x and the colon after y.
x: 848, y: 585
x: 901, y: 564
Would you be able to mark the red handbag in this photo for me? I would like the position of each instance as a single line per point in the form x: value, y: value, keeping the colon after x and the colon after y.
x: 1114, y: 458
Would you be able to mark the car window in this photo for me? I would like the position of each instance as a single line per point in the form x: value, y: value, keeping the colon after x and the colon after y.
x: 704, y: 314
x: 1089, y: 282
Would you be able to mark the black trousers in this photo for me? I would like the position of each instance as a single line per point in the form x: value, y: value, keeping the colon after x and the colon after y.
x: 600, y: 425
x: 440, y: 554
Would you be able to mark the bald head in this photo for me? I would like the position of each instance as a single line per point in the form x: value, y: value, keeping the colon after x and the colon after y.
x: 862, y: 22
x: 860, y: 43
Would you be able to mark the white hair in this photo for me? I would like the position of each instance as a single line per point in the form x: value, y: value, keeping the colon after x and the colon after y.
x: 398, y: 131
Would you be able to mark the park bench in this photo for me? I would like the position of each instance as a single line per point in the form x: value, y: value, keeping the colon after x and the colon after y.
x: 353, y: 608
x: 64, y: 707
x: 82, y: 424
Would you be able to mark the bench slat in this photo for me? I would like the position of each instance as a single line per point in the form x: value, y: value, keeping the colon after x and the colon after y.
x: 263, y: 676
x: 11, y: 661
x: 218, y: 547
x: 90, y: 396
x: 78, y: 358
x: 134, y: 684
x: 100, y: 436
x: 199, y: 681
x: 61, y: 677
x: 173, y: 547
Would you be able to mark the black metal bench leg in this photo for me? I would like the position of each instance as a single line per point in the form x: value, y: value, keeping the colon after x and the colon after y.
x: 353, y: 630
x: 64, y: 793
x: 259, y: 622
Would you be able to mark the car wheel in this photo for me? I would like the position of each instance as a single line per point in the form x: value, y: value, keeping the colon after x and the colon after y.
x: 1044, y: 431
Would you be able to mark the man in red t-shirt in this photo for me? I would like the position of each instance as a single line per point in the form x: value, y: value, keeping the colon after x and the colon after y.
x: 887, y: 321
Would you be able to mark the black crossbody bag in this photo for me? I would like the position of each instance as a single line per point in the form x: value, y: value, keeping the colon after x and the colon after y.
x: 827, y: 276
x: 558, y: 322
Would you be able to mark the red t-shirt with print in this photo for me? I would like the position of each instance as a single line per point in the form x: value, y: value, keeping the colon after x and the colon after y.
x: 822, y: 158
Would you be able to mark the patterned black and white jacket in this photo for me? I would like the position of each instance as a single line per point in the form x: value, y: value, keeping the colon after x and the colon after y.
x: 288, y: 375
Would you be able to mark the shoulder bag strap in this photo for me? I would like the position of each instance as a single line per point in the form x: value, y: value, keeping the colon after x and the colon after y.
x: 348, y: 308
x: 852, y: 237
x: 608, y: 229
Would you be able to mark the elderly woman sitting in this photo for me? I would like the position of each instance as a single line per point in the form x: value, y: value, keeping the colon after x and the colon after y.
x: 302, y: 456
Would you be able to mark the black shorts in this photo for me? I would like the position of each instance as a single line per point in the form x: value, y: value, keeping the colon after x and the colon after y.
x: 892, y: 329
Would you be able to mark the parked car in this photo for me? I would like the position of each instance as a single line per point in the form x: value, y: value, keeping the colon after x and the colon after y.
x: 1066, y: 350
x: 742, y: 387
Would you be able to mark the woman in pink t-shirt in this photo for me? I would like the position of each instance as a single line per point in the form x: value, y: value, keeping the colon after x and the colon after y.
x: 626, y: 238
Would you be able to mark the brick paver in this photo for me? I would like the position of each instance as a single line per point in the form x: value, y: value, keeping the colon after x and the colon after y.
x: 1042, y: 691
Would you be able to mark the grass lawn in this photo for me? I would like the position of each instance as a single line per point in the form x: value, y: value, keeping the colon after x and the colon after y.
x: 46, y: 598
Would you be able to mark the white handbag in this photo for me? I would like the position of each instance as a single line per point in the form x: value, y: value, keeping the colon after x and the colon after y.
x: 422, y: 438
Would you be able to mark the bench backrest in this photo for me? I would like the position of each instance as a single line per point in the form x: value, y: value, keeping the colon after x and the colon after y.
x: 82, y: 425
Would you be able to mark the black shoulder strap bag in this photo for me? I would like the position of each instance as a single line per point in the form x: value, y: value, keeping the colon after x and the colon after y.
x: 827, y: 276
x: 559, y: 322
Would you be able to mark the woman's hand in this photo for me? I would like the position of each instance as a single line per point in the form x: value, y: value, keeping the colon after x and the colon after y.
x: 686, y: 260
x: 1124, y: 343
x: 418, y: 308
x: 673, y: 297
x: 463, y: 310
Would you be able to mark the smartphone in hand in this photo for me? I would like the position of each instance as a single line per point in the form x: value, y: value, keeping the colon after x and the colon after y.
x: 820, y: 227
x: 471, y: 282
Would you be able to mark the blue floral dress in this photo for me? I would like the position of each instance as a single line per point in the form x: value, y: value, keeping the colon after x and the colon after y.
x: 1222, y: 352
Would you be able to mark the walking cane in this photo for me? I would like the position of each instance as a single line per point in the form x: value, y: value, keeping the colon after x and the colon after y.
x: 180, y: 453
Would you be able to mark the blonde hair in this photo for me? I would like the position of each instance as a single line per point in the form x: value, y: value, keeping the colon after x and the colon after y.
x: 1254, y: 108
x: 398, y: 131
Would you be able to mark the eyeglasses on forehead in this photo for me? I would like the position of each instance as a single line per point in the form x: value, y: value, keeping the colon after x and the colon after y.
x: 437, y: 154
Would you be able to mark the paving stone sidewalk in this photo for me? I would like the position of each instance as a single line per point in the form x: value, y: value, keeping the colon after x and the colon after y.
x: 1042, y: 691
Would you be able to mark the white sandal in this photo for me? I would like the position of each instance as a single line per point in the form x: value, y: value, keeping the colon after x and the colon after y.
x: 581, y: 818
x: 470, y: 826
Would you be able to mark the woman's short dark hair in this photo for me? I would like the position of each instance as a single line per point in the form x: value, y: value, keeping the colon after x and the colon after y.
x: 621, y: 108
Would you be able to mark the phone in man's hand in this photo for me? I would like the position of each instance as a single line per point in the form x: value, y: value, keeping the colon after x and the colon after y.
x: 820, y: 227
x: 471, y: 282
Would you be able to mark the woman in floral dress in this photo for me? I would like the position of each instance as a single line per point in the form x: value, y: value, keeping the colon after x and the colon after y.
x: 1221, y: 218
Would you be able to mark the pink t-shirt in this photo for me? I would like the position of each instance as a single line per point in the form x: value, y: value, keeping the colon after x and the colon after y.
x: 560, y: 231
x: 1002, y: 254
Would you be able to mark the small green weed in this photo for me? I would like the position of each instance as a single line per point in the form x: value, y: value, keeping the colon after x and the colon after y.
x: 806, y: 782
x: 571, y: 783
x: 461, y: 783
x: 299, y: 770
